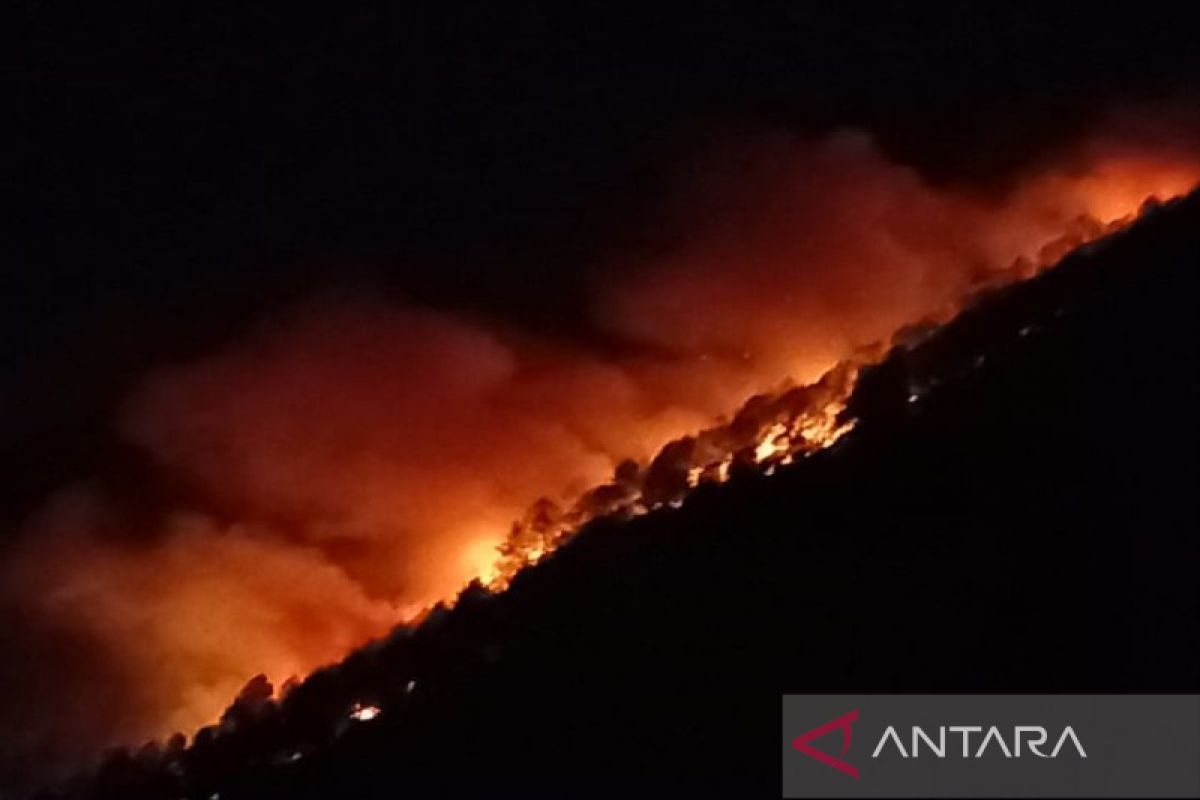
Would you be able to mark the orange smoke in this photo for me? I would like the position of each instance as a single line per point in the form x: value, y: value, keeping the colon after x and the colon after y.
x: 349, y: 462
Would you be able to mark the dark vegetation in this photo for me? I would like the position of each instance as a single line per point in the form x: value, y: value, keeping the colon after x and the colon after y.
x: 1015, y: 512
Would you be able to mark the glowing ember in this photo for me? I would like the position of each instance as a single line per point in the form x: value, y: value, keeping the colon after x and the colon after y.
x: 364, y: 713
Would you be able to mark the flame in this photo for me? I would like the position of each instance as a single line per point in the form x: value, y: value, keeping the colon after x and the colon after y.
x: 771, y: 429
x: 1107, y: 200
x: 363, y: 493
x: 362, y: 712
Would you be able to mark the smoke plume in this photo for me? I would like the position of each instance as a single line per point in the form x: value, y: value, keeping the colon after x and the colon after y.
x: 349, y: 462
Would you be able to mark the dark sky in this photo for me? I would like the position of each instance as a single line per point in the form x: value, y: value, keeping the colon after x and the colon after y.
x: 180, y: 170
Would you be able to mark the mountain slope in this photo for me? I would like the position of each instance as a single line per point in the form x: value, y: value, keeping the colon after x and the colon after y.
x: 1013, y: 512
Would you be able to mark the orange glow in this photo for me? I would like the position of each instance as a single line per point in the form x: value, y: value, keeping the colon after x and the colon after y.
x: 349, y: 464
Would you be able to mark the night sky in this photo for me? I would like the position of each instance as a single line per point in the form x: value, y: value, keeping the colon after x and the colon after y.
x: 179, y: 172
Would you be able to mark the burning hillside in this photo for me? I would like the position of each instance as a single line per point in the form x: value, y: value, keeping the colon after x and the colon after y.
x: 662, y: 642
x: 769, y: 430
x: 351, y: 464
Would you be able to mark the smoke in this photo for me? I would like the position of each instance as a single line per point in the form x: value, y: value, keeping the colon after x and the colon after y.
x: 342, y: 468
x: 349, y: 462
x: 808, y: 250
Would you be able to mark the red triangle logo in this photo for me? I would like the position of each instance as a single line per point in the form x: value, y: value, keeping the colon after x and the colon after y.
x: 843, y: 724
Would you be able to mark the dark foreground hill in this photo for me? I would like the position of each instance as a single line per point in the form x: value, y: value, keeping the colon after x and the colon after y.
x: 1016, y: 511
